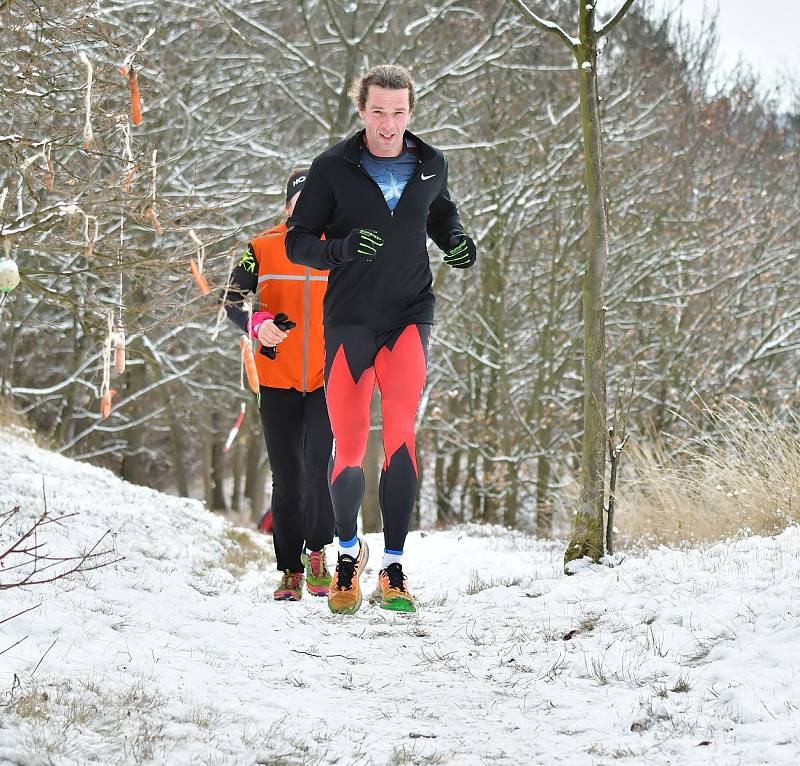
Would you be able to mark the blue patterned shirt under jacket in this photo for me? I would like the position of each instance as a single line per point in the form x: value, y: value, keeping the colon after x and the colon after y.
x: 391, y: 173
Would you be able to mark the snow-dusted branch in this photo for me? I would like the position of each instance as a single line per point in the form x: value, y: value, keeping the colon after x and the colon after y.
x: 604, y: 29
x: 548, y: 26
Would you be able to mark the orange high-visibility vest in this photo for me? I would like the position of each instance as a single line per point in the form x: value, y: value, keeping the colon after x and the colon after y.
x: 297, y: 291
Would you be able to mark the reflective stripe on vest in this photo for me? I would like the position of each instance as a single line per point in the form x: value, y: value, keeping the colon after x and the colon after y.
x: 294, y: 277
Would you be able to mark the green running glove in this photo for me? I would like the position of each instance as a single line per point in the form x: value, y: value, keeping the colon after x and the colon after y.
x: 363, y: 244
x: 461, y: 254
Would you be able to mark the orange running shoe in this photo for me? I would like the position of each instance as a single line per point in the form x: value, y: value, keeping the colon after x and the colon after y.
x: 344, y: 596
x: 392, y: 591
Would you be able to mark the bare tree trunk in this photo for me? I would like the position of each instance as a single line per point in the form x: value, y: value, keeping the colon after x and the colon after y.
x: 451, y: 482
x: 217, y: 473
x: 511, y: 504
x: 544, y: 508
x: 442, y: 501
x: 587, y: 537
x: 493, y: 474
x: 254, y: 473
x: 446, y: 478
x: 238, y: 460
x: 472, y: 495
x: 176, y: 443
x: 134, y: 464
x: 208, y: 439
x: 66, y: 422
x: 258, y: 499
x: 344, y: 108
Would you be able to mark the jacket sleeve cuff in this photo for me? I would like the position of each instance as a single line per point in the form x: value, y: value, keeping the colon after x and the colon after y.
x: 258, y: 318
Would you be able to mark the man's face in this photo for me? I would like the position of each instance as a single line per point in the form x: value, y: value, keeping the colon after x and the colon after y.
x: 385, y: 117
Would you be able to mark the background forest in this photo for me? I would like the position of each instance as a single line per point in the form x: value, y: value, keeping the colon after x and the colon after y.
x: 701, y: 289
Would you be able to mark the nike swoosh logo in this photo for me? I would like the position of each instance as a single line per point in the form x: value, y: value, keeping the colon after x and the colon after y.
x: 425, y: 178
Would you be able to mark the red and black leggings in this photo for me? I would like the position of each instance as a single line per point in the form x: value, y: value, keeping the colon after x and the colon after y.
x: 356, y: 358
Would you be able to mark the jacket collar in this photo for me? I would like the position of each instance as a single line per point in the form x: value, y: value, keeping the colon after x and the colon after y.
x: 281, y: 228
x: 352, y: 149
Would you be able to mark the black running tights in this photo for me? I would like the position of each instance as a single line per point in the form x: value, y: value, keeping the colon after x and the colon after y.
x: 298, y: 436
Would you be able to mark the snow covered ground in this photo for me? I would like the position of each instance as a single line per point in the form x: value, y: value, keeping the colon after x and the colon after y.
x: 175, y: 656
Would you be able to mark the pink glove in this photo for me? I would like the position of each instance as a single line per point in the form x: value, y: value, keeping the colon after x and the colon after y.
x: 259, y: 317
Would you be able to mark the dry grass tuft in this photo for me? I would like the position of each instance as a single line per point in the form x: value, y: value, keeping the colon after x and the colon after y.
x: 17, y: 423
x: 125, y: 716
x: 411, y: 754
x: 681, y: 686
x: 476, y: 584
x: 9, y: 417
x: 242, y: 550
x: 741, y: 475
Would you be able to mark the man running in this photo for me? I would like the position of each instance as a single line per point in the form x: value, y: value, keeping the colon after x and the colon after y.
x: 376, y: 197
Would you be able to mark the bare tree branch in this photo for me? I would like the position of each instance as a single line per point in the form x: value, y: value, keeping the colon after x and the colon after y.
x: 40, y: 563
x: 41, y: 659
x: 16, y: 643
x: 549, y: 26
x: 604, y: 29
x: 29, y: 609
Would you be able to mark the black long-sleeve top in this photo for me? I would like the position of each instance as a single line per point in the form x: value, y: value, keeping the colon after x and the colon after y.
x: 338, y: 196
x: 241, y: 282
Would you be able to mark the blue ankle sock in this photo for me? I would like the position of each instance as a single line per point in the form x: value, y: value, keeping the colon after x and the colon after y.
x: 348, y: 547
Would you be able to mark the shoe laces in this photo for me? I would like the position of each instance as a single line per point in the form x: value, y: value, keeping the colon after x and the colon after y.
x: 316, y: 561
x: 397, y: 580
x: 292, y: 580
x: 345, y: 570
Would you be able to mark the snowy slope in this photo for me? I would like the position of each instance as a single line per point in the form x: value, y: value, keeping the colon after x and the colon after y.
x: 167, y: 657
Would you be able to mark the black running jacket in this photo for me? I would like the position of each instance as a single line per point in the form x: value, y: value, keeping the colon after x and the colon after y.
x: 395, y: 289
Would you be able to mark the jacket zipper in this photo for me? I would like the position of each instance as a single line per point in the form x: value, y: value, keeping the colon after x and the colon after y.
x: 378, y: 189
x: 305, y: 331
x: 410, y: 181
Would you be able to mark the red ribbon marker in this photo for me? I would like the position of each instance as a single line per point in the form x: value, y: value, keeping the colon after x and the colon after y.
x: 235, y: 429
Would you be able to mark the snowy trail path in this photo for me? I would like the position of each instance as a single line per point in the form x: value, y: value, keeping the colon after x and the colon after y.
x: 166, y: 657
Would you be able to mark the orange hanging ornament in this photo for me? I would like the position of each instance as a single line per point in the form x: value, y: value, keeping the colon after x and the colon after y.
x: 197, y: 264
x: 202, y: 282
x: 91, y: 237
x: 151, y: 214
x: 136, y: 101
x: 119, y: 348
x: 105, y: 407
x: 126, y: 187
x: 249, y: 364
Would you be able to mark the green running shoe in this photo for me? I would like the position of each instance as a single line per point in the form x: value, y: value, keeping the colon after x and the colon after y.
x: 392, y: 591
x: 290, y: 587
x: 318, y: 578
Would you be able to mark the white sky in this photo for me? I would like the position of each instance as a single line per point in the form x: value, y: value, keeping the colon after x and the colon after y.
x: 762, y: 33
